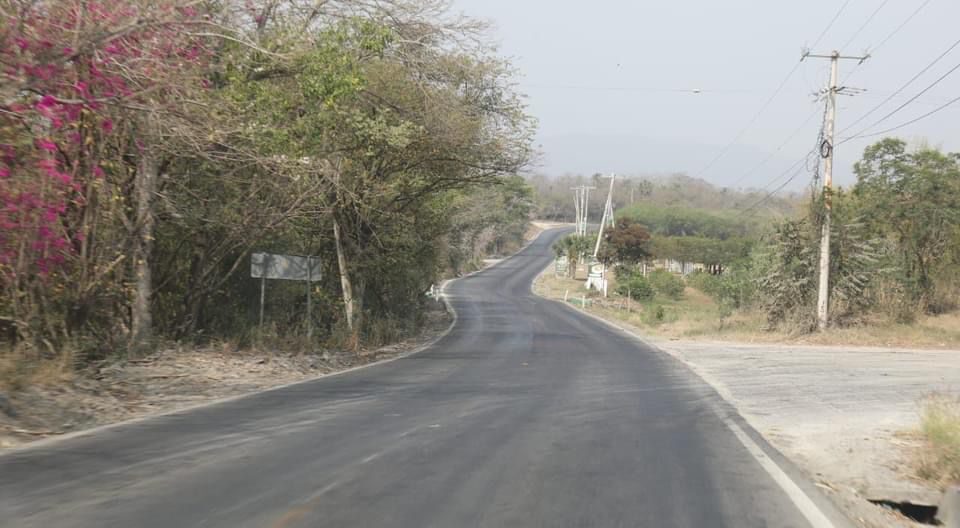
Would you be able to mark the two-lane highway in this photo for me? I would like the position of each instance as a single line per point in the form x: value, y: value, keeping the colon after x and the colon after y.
x: 526, y: 414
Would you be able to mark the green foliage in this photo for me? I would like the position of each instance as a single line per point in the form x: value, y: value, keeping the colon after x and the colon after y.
x: 573, y: 247
x: 732, y: 290
x: 913, y: 200
x: 307, y: 119
x: 681, y: 221
x: 633, y: 284
x: 666, y: 284
x: 709, y: 251
x: 488, y: 220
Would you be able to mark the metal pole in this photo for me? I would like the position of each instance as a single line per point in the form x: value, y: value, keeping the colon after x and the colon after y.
x: 576, y: 209
x: 603, y: 220
x: 823, y: 295
x: 586, y: 209
x: 263, y: 292
x: 309, y: 295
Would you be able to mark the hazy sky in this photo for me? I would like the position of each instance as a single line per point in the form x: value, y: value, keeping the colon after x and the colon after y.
x: 611, y: 81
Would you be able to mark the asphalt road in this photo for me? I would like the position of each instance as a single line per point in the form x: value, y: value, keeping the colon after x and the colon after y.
x: 526, y: 414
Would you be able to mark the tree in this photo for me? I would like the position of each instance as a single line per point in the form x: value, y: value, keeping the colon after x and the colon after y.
x: 573, y: 247
x: 85, y: 87
x: 914, y: 199
x: 627, y: 243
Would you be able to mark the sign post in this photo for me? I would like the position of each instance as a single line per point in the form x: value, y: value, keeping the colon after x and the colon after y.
x: 265, y: 266
x: 309, y: 295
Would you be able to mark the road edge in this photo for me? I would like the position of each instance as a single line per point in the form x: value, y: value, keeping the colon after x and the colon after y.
x: 818, y: 509
x: 52, y: 441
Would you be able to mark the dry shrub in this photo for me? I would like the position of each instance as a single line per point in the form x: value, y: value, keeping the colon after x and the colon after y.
x: 22, y: 366
x: 940, y: 425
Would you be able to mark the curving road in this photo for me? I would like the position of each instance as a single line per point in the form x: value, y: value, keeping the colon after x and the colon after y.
x: 526, y: 414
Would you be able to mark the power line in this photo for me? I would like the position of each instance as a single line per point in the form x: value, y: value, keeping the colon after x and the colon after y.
x: 908, y: 101
x: 772, y: 154
x: 901, y: 125
x: 725, y: 149
x: 865, y: 24
x: 830, y: 25
x: 888, y: 37
x: 723, y: 152
x: 904, y: 87
x: 901, y: 26
x: 795, y: 165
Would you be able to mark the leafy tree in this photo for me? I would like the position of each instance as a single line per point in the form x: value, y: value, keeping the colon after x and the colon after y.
x: 573, y: 247
x: 913, y: 198
x: 626, y: 243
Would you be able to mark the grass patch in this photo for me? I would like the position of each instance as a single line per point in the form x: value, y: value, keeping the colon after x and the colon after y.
x: 695, y: 315
x: 940, y: 425
x: 20, y: 367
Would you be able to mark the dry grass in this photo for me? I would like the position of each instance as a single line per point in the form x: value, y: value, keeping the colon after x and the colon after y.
x: 696, y: 316
x: 20, y: 368
x: 940, y: 425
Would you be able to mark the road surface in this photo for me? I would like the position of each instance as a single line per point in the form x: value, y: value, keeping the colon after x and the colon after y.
x: 526, y: 414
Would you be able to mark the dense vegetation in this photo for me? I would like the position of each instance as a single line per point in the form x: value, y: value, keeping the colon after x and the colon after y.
x: 895, y: 251
x: 555, y: 200
x: 149, y: 146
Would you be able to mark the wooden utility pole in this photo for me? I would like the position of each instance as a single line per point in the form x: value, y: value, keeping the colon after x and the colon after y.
x: 826, y: 151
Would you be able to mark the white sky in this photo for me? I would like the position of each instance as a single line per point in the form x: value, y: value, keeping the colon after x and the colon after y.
x: 611, y: 80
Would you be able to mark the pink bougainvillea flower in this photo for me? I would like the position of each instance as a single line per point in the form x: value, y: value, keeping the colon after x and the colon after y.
x: 47, y: 101
x: 46, y: 144
x: 107, y: 126
x: 4, y: 172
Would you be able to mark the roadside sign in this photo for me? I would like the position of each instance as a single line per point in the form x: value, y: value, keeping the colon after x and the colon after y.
x: 596, y: 270
x: 284, y: 267
x: 265, y: 266
x: 562, y: 265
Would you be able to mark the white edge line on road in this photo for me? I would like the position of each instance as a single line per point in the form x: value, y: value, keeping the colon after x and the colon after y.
x: 798, y: 497
x: 52, y: 441
x: 801, y: 500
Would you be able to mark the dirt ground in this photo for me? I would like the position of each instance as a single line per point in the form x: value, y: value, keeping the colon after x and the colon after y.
x: 848, y: 416
x: 173, y: 379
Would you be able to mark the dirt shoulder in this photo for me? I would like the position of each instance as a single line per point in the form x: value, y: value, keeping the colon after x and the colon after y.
x: 172, y: 379
x: 847, y: 416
